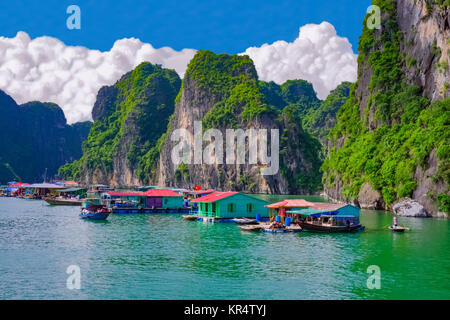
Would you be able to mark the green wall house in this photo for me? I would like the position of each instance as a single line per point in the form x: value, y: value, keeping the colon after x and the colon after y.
x: 230, y: 205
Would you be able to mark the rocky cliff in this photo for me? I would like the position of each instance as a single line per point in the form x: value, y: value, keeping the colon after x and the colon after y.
x: 129, y: 118
x: 223, y: 92
x: 391, y: 140
x: 36, y: 140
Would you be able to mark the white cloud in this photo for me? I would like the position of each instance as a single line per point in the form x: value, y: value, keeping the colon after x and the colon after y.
x: 318, y: 55
x: 46, y: 69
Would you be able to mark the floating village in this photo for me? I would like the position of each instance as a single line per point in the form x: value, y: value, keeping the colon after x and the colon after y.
x: 250, y: 213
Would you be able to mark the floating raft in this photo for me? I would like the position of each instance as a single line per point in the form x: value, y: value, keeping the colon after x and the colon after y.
x: 149, y: 210
x: 264, y: 227
x: 283, y: 230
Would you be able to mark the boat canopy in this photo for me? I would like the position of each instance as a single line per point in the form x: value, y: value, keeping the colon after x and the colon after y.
x: 308, y: 212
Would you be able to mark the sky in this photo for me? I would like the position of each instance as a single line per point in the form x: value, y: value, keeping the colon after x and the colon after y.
x: 313, y: 40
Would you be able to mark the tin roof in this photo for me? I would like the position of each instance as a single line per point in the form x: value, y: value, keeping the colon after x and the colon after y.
x: 212, y: 197
x: 328, y: 206
x: 199, y: 191
x: 135, y: 193
x: 45, y: 186
x: 290, y: 203
x: 161, y: 193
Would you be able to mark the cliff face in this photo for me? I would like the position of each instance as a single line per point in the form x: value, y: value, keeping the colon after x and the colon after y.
x: 391, y: 137
x: 36, y: 140
x: 129, y: 118
x: 223, y: 92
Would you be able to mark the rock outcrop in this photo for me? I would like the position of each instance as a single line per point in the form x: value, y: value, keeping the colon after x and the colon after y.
x: 368, y: 198
x: 392, y: 133
x: 223, y: 92
x: 129, y: 118
x: 409, y: 208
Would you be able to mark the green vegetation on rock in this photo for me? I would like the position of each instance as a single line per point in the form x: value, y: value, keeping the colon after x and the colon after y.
x: 130, y: 120
x: 399, y: 129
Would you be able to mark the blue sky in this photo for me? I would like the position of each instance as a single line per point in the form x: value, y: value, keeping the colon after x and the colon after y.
x: 222, y: 26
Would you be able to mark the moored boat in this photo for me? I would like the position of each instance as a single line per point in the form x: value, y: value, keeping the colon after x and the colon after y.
x: 190, y: 217
x: 93, y: 209
x: 245, y: 221
x: 251, y: 227
x: 324, y: 227
x: 63, y: 202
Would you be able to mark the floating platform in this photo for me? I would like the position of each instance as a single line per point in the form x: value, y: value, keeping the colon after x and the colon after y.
x: 264, y: 227
x: 150, y: 210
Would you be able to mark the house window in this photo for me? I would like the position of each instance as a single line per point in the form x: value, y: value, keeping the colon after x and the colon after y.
x: 249, y: 207
x: 166, y: 200
x: 231, y: 207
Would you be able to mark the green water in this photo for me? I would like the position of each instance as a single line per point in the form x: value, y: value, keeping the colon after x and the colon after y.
x: 165, y: 257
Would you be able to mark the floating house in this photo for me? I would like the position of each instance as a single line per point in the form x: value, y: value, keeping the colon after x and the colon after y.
x: 43, y: 189
x: 72, y: 192
x: 150, y: 201
x: 228, y: 205
x: 281, y: 208
x: 192, y: 194
x: 161, y: 198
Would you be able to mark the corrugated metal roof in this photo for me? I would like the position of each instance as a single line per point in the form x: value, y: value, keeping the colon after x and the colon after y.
x: 215, y: 196
x: 115, y: 193
x: 328, y: 206
x: 290, y: 203
x: 45, y: 186
x: 199, y: 191
x: 161, y: 193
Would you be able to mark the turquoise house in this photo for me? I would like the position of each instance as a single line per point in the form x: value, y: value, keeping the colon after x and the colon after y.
x: 230, y: 205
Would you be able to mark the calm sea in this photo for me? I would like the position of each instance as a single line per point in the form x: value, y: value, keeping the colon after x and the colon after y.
x: 165, y: 257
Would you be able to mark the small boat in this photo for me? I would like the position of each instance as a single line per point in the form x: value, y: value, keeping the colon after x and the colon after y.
x: 398, y: 228
x: 63, y: 202
x: 100, y: 214
x: 190, y: 217
x: 329, y: 228
x: 93, y: 209
x: 251, y: 227
x: 245, y: 221
x: 331, y: 223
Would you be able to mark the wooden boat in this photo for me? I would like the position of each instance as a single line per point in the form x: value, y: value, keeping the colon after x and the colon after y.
x: 251, y: 227
x: 189, y: 217
x: 100, y: 214
x: 245, y: 221
x: 93, y: 209
x: 315, y: 227
x: 398, y: 228
x: 63, y: 202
